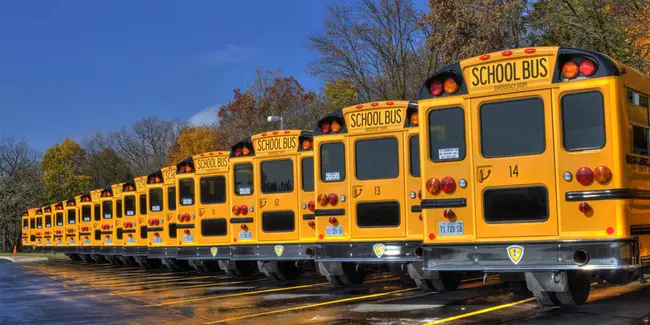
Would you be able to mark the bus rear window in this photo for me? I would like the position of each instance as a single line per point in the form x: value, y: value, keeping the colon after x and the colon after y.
x: 186, y: 191
x: 308, y: 174
x: 32, y: 223
x: 171, y: 198
x: 512, y: 128
x: 583, y: 121
x: 39, y: 223
x: 213, y: 190
x: 376, y: 158
x: 85, y: 213
x: 155, y: 199
x: 244, y: 179
x: 129, y: 205
x: 25, y: 224
x: 143, y: 204
x: 59, y: 218
x: 107, y: 209
x: 414, y: 155
x: 277, y: 176
x: 48, y: 221
x: 446, y: 134
x: 98, y: 212
x: 332, y: 162
x: 118, y: 207
x: 72, y: 217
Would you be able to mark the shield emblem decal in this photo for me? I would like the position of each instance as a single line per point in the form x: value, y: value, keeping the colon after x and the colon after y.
x: 515, y: 253
x: 379, y: 249
x: 214, y: 251
x: 279, y: 249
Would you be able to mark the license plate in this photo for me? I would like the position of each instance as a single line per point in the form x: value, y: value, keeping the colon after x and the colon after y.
x: 188, y: 239
x: 157, y: 240
x: 245, y: 235
x: 334, y: 231
x: 451, y: 228
x: 108, y: 241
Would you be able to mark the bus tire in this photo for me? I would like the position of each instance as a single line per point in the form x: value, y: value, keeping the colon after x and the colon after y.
x: 425, y: 285
x: 287, y: 271
x: 353, y: 274
x: 579, y: 287
x: 447, y: 281
x: 546, y: 298
x: 240, y: 269
x: 86, y: 258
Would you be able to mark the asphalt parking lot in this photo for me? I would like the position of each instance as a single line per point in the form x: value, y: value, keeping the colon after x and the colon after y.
x: 65, y: 292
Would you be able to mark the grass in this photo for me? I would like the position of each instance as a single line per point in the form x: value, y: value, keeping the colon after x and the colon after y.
x: 50, y: 256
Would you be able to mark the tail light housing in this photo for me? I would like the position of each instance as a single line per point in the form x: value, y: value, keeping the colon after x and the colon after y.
x: 448, y: 185
x: 570, y: 70
x: 325, y: 127
x: 243, y: 209
x: 585, y: 176
x: 332, y: 199
x: 584, y: 207
x: 311, y: 223
x: 332, y: 220
x: 322, y: 199
x: 243, y: 227
x: 602, y: 174
x: 311, y: 206
x: 235, y: 210
x: 436, y: 87
x: 449, y: 213
x: 587, y: 67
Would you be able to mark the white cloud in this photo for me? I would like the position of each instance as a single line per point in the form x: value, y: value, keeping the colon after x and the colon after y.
x: 206, y: 116
x: 229, y: 54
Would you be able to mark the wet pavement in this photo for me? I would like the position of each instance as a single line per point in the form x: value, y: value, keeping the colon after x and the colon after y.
x: 65, y: 292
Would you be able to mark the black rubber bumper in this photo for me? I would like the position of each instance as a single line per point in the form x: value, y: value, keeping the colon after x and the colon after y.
x: 204, y: 253
x: 162, y: 252
x: 273, y: 252
x: 134, y: 251
x: 111, y: 250
x: 369, y: 252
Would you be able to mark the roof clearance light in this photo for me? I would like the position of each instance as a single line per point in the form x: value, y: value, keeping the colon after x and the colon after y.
x: 570, y: 70
x: 587, y: 67
x: 336, y: 127
x: 436, y: 88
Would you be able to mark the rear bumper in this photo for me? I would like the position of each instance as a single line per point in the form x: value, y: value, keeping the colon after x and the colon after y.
x: 162, y: 252
x: 534, y: 256
x: 273, y: 252
x: 111, y: 250
x: 88, y: 250
x: 134, y: 251
x: 368, y: 252
x: 204, y: 253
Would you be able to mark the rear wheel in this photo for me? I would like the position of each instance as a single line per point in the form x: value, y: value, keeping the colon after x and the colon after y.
x: 447, y: 281
x: 129, y: 260
x: 242, y: 269
x: 353, y: 274
x: 545, y: 298
x: 286, y: 271
x: 149, y: 263
x: 579, y: 287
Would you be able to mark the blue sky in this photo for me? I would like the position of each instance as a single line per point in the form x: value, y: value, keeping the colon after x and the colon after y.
x: 72, y: 68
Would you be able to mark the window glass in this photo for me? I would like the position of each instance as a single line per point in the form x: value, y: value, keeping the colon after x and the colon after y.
x: 143, y: 230
x: 155, y: 199
x: 85, y: 213
x: 39, y: 223
x: 519, y: 204
x: 376, y: 159
x: 332, y: 162
x: 98, y: 212
x: 414, y: 157
x: 278, y: 221
x: 25, y: 224
x: 107, y: 209
x: 72, y: 216
x: 143, y: 204
x: 32, y: 223
x: 447, y: 134
x: 244, y: 179
x: 277, y: 176
x: 48, y: 221
x: 640, y: 140
x: 59, y: 219
x: 186, y: 191
x: 118, y: 206
x: 583, y: 121
x: 213, y: 189
x: 214, y: 227
x: 308, y: 174
x: 171, y: 198
x: 378, y: 214
x: 512, y: 128
x: 129, y: 205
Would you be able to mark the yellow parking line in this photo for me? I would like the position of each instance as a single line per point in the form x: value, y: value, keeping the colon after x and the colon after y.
x: 119, y: 293
x: 158, y: 281
x: 175, y: 302
x: 478, y: 312
x: 102, y: 280
x: 313, y: 305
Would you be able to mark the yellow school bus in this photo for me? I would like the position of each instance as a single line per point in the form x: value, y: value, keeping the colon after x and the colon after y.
x: 161, y: 191
x: 58, y: 236
x: 272, y: 218
x: 133, y: 225
x: 48, y: 228
x: 110, y: 247
x: 37, y: 230
x: 202, y: 227
x: 86, y: 240
x: 71, y: 229
x: 367, y: 186
x: 27, y: 242
x: 535, y: 165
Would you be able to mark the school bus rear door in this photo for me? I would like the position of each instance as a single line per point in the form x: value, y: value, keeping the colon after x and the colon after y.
x: 278, y: 198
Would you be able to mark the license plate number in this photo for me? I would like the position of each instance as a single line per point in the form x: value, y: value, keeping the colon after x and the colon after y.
x: 451, y: 228
x: 245, y: 235
x: 334, y: 231
x: 157, y: 240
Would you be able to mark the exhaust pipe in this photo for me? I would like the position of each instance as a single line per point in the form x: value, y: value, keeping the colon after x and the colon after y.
x: 581, y: 257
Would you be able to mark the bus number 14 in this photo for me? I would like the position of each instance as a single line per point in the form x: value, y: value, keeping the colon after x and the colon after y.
x: 514, y: 171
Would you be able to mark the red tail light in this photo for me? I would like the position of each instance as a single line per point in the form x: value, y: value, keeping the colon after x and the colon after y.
x: 180, y: 217
x: 187, y: 231
x: 243, y: 209
x: 585, y: 176
x: 235, y: 210
x: 325, y: 127
x: 448, y: 214
x: 311, y: 206
x: 156, y: 222
x: 332, y: 199
x: 187, y: 216
x: 421, y: 217
x: 602, y: 174
x: 322, y: 199
x: 584, y: 207
x: 436, y: 87
x: 243, y: 227
x: 332, y: 220
x: 156, y: 234
x: 448, y: 185
x: 587, y: 67
x: 124, y: 224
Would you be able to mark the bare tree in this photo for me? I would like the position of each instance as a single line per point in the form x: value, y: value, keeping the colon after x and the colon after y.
x: 145, y: 145
x: 21, y: 187
x: 379, y: 45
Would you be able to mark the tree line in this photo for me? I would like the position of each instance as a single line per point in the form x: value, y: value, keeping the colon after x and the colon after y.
x: 368, y: 50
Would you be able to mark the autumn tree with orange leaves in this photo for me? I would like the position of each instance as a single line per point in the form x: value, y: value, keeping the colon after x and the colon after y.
x: 194, y: 140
